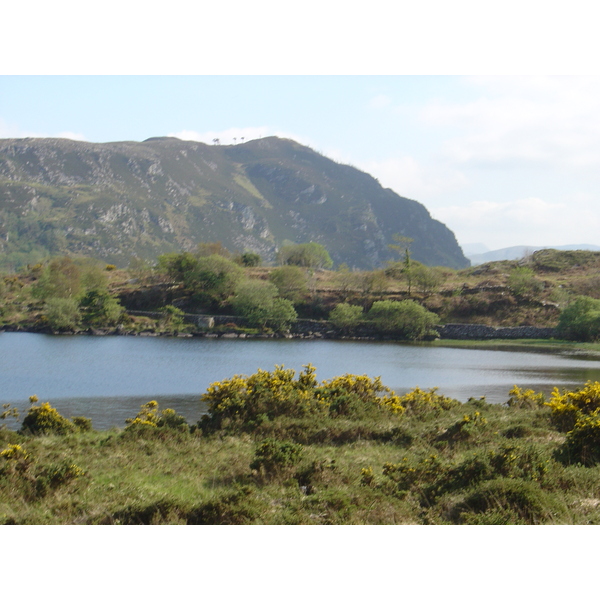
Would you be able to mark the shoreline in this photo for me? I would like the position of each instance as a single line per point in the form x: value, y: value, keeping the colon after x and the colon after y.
x: 584, y: 350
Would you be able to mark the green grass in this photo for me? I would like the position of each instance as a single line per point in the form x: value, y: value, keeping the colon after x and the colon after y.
x: 501, y: 465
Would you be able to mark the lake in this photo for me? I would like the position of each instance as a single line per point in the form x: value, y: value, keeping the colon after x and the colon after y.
x: 108, y: 378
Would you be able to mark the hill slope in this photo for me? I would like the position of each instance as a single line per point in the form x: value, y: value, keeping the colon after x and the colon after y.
x: 124, y: 199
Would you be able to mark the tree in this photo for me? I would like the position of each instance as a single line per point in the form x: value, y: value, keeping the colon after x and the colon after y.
x: 403, y: 247
x: 61, y: 278
x: 346, y: 316
x: 580, y: 320
x: 258, y: 303
x: 100, y: 308
x: 250, y: 259
x: 62, y: 313
x: 291, y: 282
x: 406, y: 319
x: 213, y: 279
x: 311, y: 255
x: 346, y: 280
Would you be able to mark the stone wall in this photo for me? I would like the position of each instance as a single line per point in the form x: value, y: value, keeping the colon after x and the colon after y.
x: 466, y: 331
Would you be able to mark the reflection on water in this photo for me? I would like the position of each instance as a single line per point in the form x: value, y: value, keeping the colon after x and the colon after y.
x: 108, y: 378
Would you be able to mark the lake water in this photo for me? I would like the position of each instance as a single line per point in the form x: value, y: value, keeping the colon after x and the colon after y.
x: 108, y: 378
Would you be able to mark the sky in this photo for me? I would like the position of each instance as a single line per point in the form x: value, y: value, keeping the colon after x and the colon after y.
x: 503, y: 159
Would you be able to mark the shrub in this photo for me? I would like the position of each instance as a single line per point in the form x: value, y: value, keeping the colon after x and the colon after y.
x: 62, y: 313
x: 250, y: 259
x: 583, y: 441
x: 407, y: 319
x: 421, y: 402
x: 580, y: 320
x: 291, y: 282
x: 82, y: 423
x: 274, y: 458
x: 347, y: 389
x: 311, y: 255
x: 149, y: 418
x: 258, y: 303
x: 43, y: 420
x: 568, y: 406
x: 508, y: 501
x: 345, y: 316
x: 250, y: 401
x: 522, y: 281
x: 520, y: 398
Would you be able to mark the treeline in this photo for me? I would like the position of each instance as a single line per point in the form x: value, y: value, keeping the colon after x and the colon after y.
x: 405, y: 300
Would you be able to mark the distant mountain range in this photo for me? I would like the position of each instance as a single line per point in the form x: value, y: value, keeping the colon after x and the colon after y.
x: 119, y: 200
x: 516, y: 252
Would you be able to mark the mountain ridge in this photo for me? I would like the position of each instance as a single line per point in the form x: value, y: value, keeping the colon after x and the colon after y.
x: 117, y: 200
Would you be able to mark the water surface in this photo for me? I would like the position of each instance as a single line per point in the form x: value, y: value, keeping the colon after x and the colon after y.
x: 107, y: 378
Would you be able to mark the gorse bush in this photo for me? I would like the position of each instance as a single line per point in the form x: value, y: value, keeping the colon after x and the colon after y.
x: 423, y: 403
x: 249, y: 401
x: 567, y: 407
x: 150, y: 417
x: 44, y: 419
x: 520, y: 398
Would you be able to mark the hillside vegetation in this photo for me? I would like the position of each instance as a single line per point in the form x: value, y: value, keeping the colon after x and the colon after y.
x: 124, y: 200
x: 402, y: 301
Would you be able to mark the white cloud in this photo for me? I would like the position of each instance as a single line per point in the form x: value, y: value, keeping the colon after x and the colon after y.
x: 548, y: 121
x: 526, y: 221
x: 411, y: 179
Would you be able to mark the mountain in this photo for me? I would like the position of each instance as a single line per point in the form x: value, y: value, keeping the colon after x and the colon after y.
x: 516, y: 252
x: 118, y: 200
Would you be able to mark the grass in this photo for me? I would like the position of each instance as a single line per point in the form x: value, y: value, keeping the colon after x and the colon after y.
x: 474, y: 463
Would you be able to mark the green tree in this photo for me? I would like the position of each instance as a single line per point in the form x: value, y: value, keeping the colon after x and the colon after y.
x: 258, y: 303
x: 213, y: 279
x: 406, y: 319
x: 580, y: 320
x: 60, y: 278
x: 177, y: 265
x: 346, y: 316
x: 62, y: 313
x: 311, y: 255
x: 403, y: 248
x: 250, y: 259
x: 100, y: 308
x: 291, y: 282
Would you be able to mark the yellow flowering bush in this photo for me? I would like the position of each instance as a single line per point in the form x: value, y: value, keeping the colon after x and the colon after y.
x: 569, y: 406
x: 583, y: 441
x: 43, y: 420
x: 339, y: 392
x: 149, y: 416
x: 14, y: 452
x: 265, y: 395
x: 520, y: 398
x: 419, y: 401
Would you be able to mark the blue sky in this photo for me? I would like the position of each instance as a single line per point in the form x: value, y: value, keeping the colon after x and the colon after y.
x: 503, y: 160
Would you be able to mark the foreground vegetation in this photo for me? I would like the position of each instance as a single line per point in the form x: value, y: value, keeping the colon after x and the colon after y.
x: 281, y: 448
